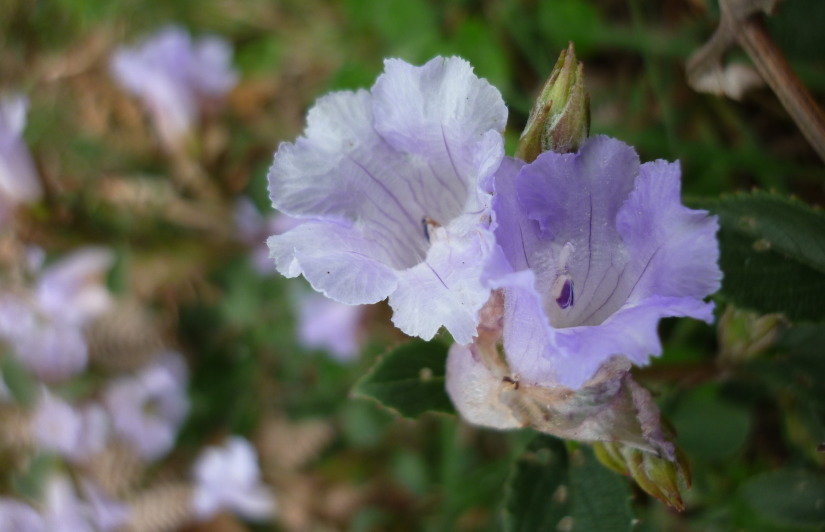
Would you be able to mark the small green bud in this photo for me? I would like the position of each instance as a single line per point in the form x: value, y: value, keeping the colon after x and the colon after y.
x: 560, y: 119
x: 744, y: 335
x: 656, y: 475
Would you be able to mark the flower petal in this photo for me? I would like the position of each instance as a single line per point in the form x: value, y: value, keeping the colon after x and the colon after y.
x: 336, y: 260
x: 474, y: 389
x: 446, y: 288
x: 575, y: 199
x: 673, y: 249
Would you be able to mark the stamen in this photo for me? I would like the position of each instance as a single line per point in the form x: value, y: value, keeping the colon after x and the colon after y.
x: 563, y: 291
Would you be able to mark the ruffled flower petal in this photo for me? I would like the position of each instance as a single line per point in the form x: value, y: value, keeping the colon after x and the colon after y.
x: 598, y: 249
x: 378, y: 172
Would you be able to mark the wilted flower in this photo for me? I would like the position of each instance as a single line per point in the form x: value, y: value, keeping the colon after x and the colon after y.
x: 45, y: 329
x: 596, y: 249
x: 19, y: 182
x: 228, y: 478
x: 148, y: 408
x: 174, y: 77
x: 391, y: 183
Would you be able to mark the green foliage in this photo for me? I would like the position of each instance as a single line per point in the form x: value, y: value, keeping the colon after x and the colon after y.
x: 788, y: 497
x: 552, y: 489
x: 772, y: 254
x: 710, y: 427
x: 409, y: 379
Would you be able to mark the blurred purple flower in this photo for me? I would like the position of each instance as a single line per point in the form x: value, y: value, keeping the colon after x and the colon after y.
x: 16, y: 516
x: 19, y: 182
x: 596, y: 249
x: 174, y: 77
x: 228, y: 478
x: 392, y: 185
x: 44, y: 329
x: 75, y: 434
x: 327, y: 324
x: 64, y: 511
x: 148, y: 408
x: 106, y: 513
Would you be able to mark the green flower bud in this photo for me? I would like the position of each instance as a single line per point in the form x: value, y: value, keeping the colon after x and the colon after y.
x: 560, y: 119
x: 656, y: 475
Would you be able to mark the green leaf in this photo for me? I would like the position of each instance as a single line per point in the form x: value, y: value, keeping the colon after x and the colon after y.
x: 772, y: 254
x: 536, y: 493
x: 551, y: 490
x: 409, y: 379
x: 710, y: 427
x: 787, y: 497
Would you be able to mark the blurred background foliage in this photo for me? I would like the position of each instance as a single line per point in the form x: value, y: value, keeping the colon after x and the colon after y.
x: 748, y: 401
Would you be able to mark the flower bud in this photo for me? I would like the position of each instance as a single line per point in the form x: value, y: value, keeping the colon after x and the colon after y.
x: 657, y: 475
x: 560, y: 119
x: 744, y: 335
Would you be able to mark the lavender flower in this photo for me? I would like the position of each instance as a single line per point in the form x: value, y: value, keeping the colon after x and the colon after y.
x: 75, y: 434
x: 595, y: 250
x: 106, y: 513
x: 228, y: 478
x: 64, y: 511
x: 71, y: 289
x: 45, y: 329
x: 19, y: 182
x: 327, y: 324
x: 174, y: 77
x: 391, y: 183
x: 16, y: 516
x: 148, y: 408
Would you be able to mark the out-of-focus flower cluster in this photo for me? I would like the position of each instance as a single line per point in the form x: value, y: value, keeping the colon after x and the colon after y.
x: 89, y: 383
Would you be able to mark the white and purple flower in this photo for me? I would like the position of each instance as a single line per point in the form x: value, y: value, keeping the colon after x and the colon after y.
x: 175, y: 77
x: 228, y: 478
x: 45, y: 328
x: 75, y: 434
x: 596, y: 249
x: 148, y: 408
x: 19, y: 182
x: 392, y: 185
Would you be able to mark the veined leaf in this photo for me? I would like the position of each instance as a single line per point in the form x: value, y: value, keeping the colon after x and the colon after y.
x: 409, y: 379
x: 772, y: 254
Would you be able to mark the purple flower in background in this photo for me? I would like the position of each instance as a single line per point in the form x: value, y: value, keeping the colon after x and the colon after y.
x: 45, y: 329
x: 148, y: 408
x: 19, y: 182
x: 75, y: 434
x: 106, y: 513
x: 64, y: 511
x: 16, y: 516
x: 596, y: 249
x: 391, y: 183
x: 330, y: 325
x: 174, y: 77
x: 71, y: 289
x: 228, y: 478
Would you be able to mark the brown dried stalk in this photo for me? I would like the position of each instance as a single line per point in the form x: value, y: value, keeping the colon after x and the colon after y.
x: 741, y: 23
